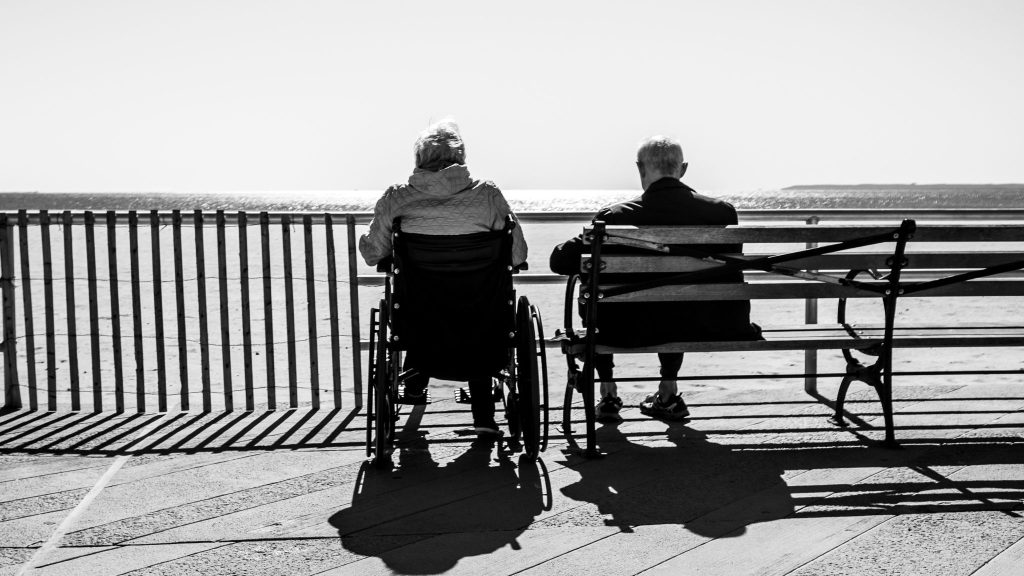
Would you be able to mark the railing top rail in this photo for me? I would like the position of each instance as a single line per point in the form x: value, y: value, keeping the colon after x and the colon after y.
x: 745, y: 215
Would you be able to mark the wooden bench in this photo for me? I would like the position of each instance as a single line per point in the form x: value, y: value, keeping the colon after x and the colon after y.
x: 885, y: 262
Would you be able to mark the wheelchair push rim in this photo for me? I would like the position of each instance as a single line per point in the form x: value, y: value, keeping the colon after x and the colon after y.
x: 385, y: 393
x: 372, y: 379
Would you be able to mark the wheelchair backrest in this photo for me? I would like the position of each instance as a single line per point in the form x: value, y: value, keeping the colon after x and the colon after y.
x: 453, y: 305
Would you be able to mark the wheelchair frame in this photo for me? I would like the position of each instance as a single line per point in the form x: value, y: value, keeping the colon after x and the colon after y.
x: 523, y: 383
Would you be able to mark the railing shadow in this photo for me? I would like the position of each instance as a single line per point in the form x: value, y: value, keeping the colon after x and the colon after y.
x: 113, y: 434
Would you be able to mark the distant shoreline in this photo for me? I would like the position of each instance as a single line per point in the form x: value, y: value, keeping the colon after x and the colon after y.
x: 936, y: 187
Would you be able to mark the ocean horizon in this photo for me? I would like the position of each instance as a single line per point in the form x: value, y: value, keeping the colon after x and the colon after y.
x: 824, y: 196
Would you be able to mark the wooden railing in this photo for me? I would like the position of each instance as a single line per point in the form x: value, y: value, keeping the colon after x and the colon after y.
x: 217, y: 323
x: 180, y: 282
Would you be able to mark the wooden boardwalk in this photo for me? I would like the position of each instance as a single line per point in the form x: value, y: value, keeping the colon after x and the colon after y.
x: 758, y: 482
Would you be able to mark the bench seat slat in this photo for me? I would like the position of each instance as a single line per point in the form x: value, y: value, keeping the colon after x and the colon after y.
x: 833, y: 337
x: 802, y: 289
x: 842, y: 261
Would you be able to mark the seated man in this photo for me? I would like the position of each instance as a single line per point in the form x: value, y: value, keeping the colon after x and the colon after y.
x: 665, y: 201
x: 440, y: 198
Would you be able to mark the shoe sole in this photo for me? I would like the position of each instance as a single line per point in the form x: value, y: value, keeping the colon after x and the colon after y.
x: 664, y: 415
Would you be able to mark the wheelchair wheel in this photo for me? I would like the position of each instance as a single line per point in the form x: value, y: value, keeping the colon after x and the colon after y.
x: 543, y: 355
x: 529, y: 380
x: 384, y: 385
x: 573, y: 374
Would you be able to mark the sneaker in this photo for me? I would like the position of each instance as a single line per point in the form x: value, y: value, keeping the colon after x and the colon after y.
x: 413, y: 397
x: 672, y: 409
x: 608, y: 408
x: 464, y: 396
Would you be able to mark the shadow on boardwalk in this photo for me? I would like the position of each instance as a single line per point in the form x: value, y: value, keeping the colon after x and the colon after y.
x: 717, y: 490
x: 642, y: 484
x: 478, y: 502
x: 744, y: 468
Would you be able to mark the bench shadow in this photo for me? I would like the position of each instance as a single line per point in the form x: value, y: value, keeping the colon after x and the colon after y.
x: 421, y: 517
x: 639, y: 484
x: 717, y: 490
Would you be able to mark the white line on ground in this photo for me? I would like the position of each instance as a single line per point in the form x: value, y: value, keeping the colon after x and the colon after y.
x: 58, y: 533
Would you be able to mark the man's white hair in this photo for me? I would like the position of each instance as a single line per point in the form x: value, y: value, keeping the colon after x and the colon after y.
x: 440, y: 146
x: 661, y: 154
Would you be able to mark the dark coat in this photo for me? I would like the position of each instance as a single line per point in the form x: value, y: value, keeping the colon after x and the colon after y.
x: 666, y: 202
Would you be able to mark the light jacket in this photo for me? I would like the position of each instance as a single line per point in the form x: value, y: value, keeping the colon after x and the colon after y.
x: 445, y: 202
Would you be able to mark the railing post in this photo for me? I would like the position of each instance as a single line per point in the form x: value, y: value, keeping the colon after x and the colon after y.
x: 12, y: 393
x: 314, y: 345
x: 243, y: 269
x: 27, y: 292
x: 353, y: 292
x: 332, y: 298
x: 69, y: 296
x: 225, y: 328
x: 179, y: 302
x: 204, y: 335
x: 49, y: 319
x: 289, y: 312
x: 94, y: 315
x: 140, y: 368
x: 268, y: 311
x: 811, y: 317
x: 115, y: 310
x: 158, y: 311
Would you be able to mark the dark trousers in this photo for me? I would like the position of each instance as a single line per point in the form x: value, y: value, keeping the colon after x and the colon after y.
x: 671, y: 362
x: 481, y: 401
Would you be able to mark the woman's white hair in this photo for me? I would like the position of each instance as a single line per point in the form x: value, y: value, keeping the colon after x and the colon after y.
x: 661, y: 154
x: 440, y: 146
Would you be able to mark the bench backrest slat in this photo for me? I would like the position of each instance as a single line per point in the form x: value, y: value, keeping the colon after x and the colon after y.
x: 806, y: 233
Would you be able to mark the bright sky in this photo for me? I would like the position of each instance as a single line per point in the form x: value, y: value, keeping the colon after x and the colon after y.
x: 199, y: 95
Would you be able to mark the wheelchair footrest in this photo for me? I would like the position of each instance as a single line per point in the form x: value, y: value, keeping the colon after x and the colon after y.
x: 463, y: 396
x: 419, y: 400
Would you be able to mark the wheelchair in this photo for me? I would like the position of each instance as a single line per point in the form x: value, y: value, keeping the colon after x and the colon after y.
x: 449, y: 303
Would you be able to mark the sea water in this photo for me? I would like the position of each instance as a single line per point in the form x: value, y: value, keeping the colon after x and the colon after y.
x: 882, y: 196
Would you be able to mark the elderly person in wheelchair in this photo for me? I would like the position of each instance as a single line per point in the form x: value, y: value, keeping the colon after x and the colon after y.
x: 450, y: 244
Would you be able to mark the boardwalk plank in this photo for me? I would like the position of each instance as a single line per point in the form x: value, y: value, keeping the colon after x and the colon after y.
x: 472, y: 553
x: 74, y: 561
x: 1006, y: 563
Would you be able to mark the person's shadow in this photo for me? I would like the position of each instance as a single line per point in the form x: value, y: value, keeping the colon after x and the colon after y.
x: 422, y: 518
x: 710, y: 489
